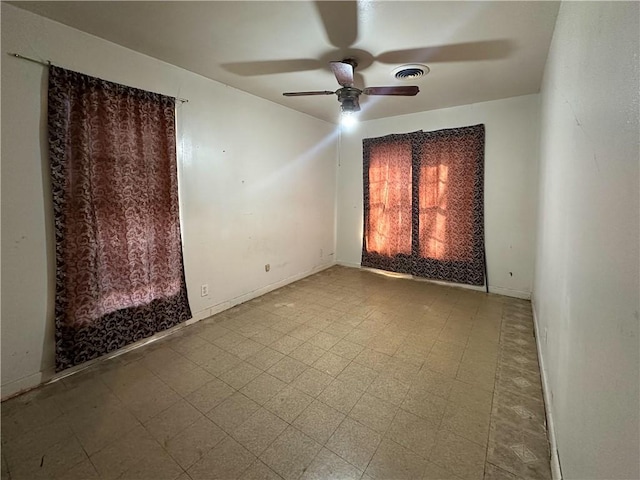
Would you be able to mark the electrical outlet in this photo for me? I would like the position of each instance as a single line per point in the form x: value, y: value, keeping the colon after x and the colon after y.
x: 321, y: 253
x: 204, y: 290
x: 267, y: 267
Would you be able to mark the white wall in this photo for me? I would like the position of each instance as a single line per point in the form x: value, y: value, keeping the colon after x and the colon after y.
x: 511, y: 155
x: 257, y: 185
x: 586, y: 293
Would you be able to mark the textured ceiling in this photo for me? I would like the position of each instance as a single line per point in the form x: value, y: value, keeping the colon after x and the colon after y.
x: 477, y: 51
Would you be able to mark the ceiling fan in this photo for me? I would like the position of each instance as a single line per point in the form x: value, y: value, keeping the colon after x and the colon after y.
x: 340, y: 21
x: 348, y: 95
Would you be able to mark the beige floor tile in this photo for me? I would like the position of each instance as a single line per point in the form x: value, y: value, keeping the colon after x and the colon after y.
x: 307, y: 353
x: 97, y: 427
x: 436, y: 472
x: 82, y: 471
x: 373, y: 412
x: 286, y: 344
x: 259, y: 471
x: 331, y: 364
x: 187, y: 343
x: 265, y: 358
x: 434, y: 382
x: 458, y: 455
x: 210, y: 395
x: 429, y: 407
x: 357, y: 376
x: 228, y: 341
x: 156, y: 360
x: 267, y: 337
x: 478, y: 390
x: 394, y: 461
x: 213, y: 332
x: 354, y: 442
x: 288, y: 403
x: 312, y: 382
x: 48, y: 462
x: 491, y: 472
x: 240, y: 375
x: 338, y: 329
x: 233, y: 411
x: 319, y: 421
x: 347, y: 349
x: 194, y: 442
x: 259, y: 430
x: 262, y: 388
x: 221, y: 363
x: 172, y: 421
x: 228, y: 460
x: 340, y: 396
x: 387, y: 388
x: 304, y: 332
x: 246, y: 348
x: 187, y: 381
x: 413, y: 432
x: 135, y: 455
x: 203, y: 354
x: 287, y: 369
x: 327, y: 465
x: 372, y: 359
x: 467, y: 422
x: 17, y: 448
x: 324, y: 340
x: 148, y: 399
x: 443, y: 365
x: 290, y: 454
x: 401, y: 370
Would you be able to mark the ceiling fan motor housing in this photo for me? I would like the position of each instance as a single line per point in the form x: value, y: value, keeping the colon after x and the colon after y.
x: 348, y: 98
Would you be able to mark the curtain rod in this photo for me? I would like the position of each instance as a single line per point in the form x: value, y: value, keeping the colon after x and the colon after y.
x: 48, y: 64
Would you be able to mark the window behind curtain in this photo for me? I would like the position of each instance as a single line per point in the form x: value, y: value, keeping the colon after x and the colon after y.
x: 447, y: 212
x: 119, y: 267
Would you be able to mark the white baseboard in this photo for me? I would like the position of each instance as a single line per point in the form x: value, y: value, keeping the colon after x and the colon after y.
x: 556, y: 471
x: 24, y: 384
x: 507, y: 292
x: 227, y: 304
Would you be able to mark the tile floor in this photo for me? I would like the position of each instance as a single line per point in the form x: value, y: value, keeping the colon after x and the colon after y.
x: 343, y: 375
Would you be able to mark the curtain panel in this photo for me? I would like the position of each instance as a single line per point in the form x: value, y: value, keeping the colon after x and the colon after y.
x: 119, y: 266
x: 424, y: 204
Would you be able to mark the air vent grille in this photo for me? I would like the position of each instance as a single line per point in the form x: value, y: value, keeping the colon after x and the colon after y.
x: 410, y: 72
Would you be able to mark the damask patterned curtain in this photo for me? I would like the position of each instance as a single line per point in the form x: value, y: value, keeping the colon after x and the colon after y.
x: 119, y: 268
x: 442, y: 175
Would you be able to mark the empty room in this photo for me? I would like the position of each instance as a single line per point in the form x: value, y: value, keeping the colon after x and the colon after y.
x: 377, y: 240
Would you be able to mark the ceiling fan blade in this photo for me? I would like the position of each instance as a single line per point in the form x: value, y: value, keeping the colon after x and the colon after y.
x: 456, y: 52
x: 269, y: 67
x: 340, y: 20
x: 343, y: 72
x: 302, y: 94
x: 407, y: 91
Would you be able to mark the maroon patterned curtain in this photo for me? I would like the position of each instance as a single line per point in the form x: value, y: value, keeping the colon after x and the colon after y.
x: 445, y: 172
x: 119, y: 269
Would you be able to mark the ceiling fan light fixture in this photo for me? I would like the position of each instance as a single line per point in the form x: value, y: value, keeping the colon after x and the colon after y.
x: 410, y: 71
x: 348, y: 119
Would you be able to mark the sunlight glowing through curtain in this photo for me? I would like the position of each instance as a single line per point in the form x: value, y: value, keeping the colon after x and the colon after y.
x: 439, y: 178
x: 119, y: 269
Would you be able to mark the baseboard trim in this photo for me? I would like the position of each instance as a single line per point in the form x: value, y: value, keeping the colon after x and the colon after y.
x: 507, y: 292
x: 25, y: 384
x: 556, y: 470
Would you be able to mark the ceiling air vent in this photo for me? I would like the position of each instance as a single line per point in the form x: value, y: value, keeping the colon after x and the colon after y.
x: 410, y: 72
